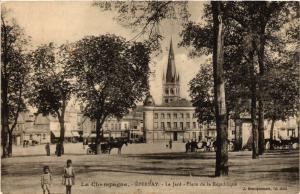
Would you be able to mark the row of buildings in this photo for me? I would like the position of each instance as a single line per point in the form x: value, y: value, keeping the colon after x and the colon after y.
x: 173, y: 119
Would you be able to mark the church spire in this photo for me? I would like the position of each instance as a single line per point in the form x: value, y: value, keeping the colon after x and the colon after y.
x: 171, y: 69
x: 171, y: 80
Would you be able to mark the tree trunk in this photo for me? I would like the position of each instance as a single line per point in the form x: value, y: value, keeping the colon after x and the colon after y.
x: 60, y: 144
x: 5, y: 132
x: 237, y: 144
x: 261, y: 58
x: 4, y: 117
x: 10, y: 143
x: 261, y: 129
x: 98, y: 137
x: 272, y: 134
x: 219, y: 92
x: 253, y: 102
x: 5, y: 141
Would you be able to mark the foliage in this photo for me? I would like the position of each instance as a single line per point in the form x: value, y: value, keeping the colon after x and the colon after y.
x: 14, y: 77
x: 145, y: 17
x: 112, y: 74
x: 51, y: 88
x: 14, y: 66
x: 201, y: 92
x: 239, y: 18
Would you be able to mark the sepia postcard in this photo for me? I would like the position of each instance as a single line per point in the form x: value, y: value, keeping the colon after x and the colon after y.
x: 150, y: 97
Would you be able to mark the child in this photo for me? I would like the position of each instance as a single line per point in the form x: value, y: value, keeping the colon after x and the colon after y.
x: 46, y: 180
x: 69, y: 176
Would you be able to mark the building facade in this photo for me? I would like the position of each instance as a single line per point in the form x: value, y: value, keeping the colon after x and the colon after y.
x: 174, y: 121
x: 175, y: 118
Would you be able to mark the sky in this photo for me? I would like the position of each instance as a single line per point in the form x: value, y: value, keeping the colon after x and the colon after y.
x: 61, y: 22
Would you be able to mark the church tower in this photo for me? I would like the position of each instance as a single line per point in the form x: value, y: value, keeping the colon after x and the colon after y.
x: 171, y: 80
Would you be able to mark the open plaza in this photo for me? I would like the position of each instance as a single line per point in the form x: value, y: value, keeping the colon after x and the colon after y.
x: 151, y: 168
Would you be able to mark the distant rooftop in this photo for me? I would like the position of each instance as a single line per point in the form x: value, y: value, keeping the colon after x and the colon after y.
x: 178, y: 103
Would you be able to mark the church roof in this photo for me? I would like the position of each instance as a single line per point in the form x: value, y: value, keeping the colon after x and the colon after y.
x: 171, y: 75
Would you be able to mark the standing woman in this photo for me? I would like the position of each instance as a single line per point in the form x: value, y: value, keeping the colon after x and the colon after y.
x: 69, y: 177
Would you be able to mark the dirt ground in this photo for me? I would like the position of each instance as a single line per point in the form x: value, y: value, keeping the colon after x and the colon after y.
x: 151, y: 168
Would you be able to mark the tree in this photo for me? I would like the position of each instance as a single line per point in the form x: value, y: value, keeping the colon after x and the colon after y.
x: 150, y: 14
x: 14, y: 75
x: 51, y: 88
x: 283, y: 87
x: 112, y: 76
x: 202, y: 94
x: 263, y: 20
x: 219, y: 90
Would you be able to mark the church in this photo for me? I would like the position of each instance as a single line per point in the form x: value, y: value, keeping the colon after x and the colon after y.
x: 175, y: 118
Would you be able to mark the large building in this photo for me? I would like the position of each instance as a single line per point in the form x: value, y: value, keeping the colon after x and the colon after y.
x: 175, y: 118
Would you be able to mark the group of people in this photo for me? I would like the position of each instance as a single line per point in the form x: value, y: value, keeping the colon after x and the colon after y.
x: 206, y: 143
x: 26, y: 143
x: 68, y: 178
x: 191, y: 146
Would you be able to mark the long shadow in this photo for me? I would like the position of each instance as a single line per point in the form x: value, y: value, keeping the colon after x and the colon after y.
x: 291, y: 170
x: 171, y: 156
x: 149, y: 171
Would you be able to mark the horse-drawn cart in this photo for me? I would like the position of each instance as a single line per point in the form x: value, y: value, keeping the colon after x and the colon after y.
x: 93, y: 147
x: 107, y: 146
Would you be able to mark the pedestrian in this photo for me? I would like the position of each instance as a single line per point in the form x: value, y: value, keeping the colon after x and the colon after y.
x: 83, y: 143
x: 47, y: 148
x: 170, y: 144
x: 69, y: 177
x: 187, y: 146
x: 46, y: 180
x: 193, y: 145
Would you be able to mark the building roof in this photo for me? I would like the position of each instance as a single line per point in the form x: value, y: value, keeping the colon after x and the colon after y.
x: 149, y: 101
x: 178, y: 103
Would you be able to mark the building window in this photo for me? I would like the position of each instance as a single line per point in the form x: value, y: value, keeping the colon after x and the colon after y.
x: 181, y: 115
x: 156, y: 116
x: 175, y: 125
x: 194, y: 115
x: 181, y: 125
x: 187, y: 115
x: 162, y: 125
x: 188, y: 125
x: 232, y: 132
x: 155, y: 125
x: 112, y: 126
x: 168, y: 125
x: 162, y: 115
x: 172, y: 91
x: 166, y: 100
x: 194, y: 125
x: 175, y: 115
x: 116, y: 126
x: 194, y: 134
x: 44, y: 136
x: 213, y: 133
x: 167, y: 91
x: 168, y: 115
x: 120, y: 126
